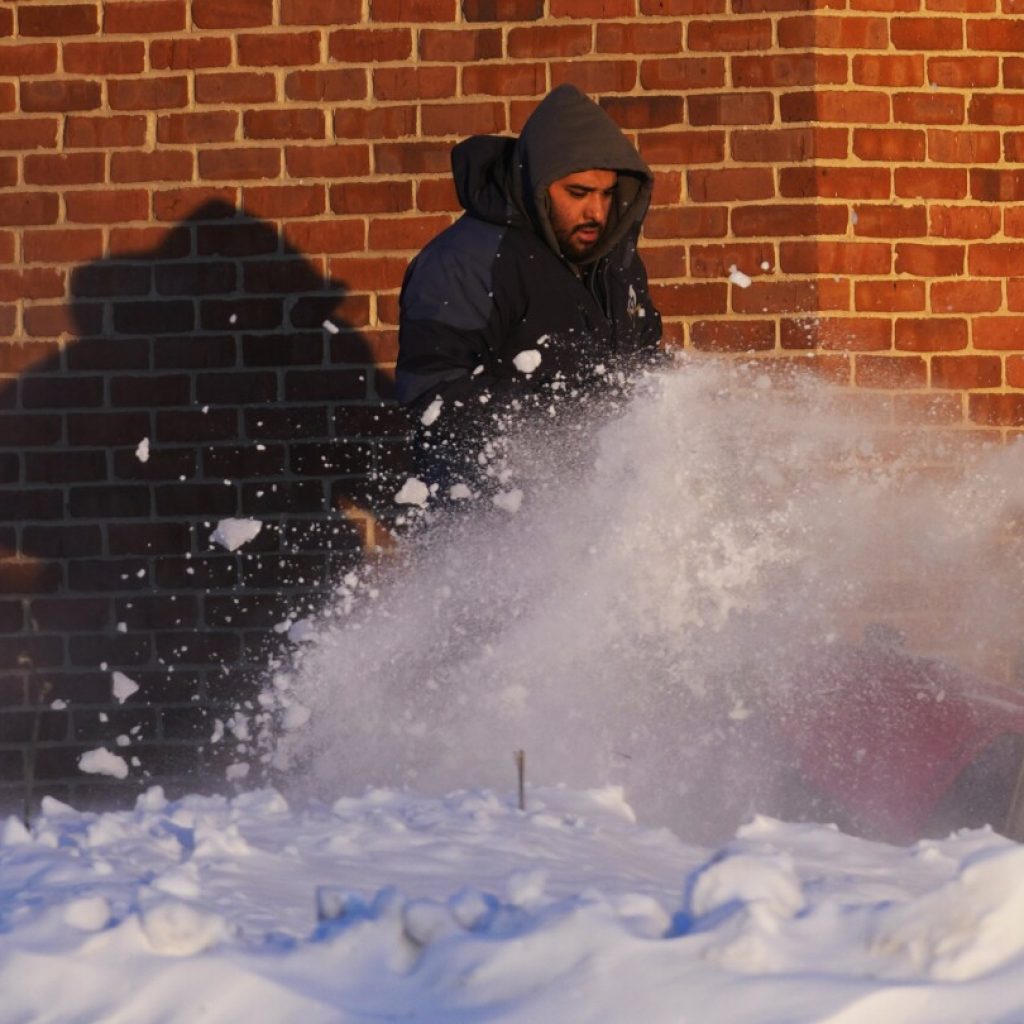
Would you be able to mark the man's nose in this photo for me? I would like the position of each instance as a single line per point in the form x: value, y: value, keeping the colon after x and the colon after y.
x: 595, y: 208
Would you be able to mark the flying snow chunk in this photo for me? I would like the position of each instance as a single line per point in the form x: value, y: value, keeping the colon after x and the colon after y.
x: 331, y: 327
x: 102, y: 762
x: 527, y: 361
x: 233, y: 533
x: 142, y: 451
x: 413, y: 492
x: 236, y: 772
x: 432, y: 411
x: 509, y: 501
x: 738, y: 278
x: 123, y: 687
x: 459, y: 492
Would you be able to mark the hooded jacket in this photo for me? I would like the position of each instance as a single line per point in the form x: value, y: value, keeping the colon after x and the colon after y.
x: 494, y: 286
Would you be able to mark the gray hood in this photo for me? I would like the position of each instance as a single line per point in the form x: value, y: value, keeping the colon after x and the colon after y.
x: 506, y: 181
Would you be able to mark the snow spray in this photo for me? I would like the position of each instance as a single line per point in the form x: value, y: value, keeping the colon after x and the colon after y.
x: 666, y: 563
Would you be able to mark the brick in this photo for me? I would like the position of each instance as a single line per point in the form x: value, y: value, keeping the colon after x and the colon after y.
x: 502, y: 10
x: 276, y: 275
x: 929, y: 260
x: 596, y: 76
x: 892, y: 145
x: 709, y: 299
x: 997, y: 186
x: 999, y: 34
x: 31, y: 283
x: 110, y: 58
x: 193, y: 278
x: 283, y: 124
x: 890, y: 372
x: 966, y: 296
x: 705, y: 186
x: 227, y: 14
x: 951, y: 147
x: 460, y: 45
x: 28, y: 208
x: 792, y: 297
x: 435, y: 195
x: 337, y: 161
x: 1015, y: 371
x: 933, y: 108
x: 966, y: 372
x: 189, y: 53
x: 24, y: 504
x: 731, y: 109
x: 929, y: 183
x: 437, y: 11
x: 994, y: 259
x: 336, y: 85
x: 849, y: 107
x: 185, y: 129
x: 234, y: 164
x: 245, y: 239
x: 320, y: 12
x: 107, y: 429
x: 240, y: 87
x: 369, y: 273
x: 788, y: 70
x: 682, y: 74
x: 927, y: 410
x: 832, y: 31
x: 279, y: 49
x: 160, y: 165
x: 682, y: 148
x: 56, y: 245
x: 716, y: 260
x: 889, y: 70
x: 461, y: 119
x: 374, y: 123
x: 789, y: 219
x: 549, y: 41
x: 143, y: 17
x: 1001, y: 109
x: 59, y: 96
x: 1013, y: 221
x: 664, y: 262
x: 733, y: 335
x: 835, y: 257
x: 31, y: 133
x: 998, y: 332
x: 949, y: 72
x: 18, y: 61
x: 891, y: 221
x: 408, y: 83
x: 405, y: 233
x: 724, y: 36
x: 286, y: 201
x: 505, y: 79
x: 327, y: 236
x: 75, y: 613
x: 591, y: 9
x: 1013, y: 72
x: 931, y: 334
x: 195, y: 204
x: 638, y: 37
x: 839, y: 334
x: 928, y: 33
x: 996, y: 410
x: 72, y: 168
x: 58, y: 20
x: 149, y: 93
x: 238, y: 463
x: 61, y: 392
x: 376, y: 45
x: 115, y: 132
x: 411, y: 157
x: 371, y: 197
x: 835, y: 182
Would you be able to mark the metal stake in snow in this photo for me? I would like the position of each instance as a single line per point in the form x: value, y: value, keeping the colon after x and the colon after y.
x: 520, y: 756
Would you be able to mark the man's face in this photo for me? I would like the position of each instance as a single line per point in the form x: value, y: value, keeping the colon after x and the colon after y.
x: 580, y: 204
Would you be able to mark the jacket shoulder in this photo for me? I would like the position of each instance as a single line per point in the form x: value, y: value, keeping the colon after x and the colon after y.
x: 452, y: 280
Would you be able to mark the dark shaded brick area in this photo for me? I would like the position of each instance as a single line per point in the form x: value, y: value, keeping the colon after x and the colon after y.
x: 250, y: 407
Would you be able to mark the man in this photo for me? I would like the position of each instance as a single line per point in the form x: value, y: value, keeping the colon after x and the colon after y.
x: 536, y: 289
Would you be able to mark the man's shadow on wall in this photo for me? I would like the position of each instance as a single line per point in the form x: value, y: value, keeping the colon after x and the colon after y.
x: 220, y: 375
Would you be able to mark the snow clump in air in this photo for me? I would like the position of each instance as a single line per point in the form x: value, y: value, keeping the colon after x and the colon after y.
x: 413, y: 492
x: 233, y: 533
x: 123, y: 687
x: 142, y: 450
x: 527, y: 361
x: 102, y: 762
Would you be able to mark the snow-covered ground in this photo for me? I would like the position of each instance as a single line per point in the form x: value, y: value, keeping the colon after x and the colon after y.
x: 619, y: 621
x: 465, y: 909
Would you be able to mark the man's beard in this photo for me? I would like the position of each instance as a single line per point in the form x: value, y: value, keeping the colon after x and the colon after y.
x: 576, y: 249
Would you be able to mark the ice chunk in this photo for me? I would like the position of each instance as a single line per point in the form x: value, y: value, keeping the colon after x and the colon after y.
x: 142, y: 450
x: 738, y: 278
x: 432, y: 411
x: 413, y: 492
x: 527, y: 361
x: 233, y: 533
x: 102, y: 762
x: 123, y: 687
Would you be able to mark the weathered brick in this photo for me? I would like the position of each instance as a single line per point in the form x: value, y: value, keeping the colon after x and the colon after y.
x: 461, y: 119
x: 849, y: 107
x: 190, y: 53
x: 320, y: 12
x: 928, y: 33
x: 20, y: 60
x: 888, y: 70
x: 788, y: 70
x: 114, y: 132
x: 58, y: 20
x: 966, y: 372
x: 836, y: 182
x: 143, y: 17
x: 705, y: 186
x: 891, y: 221
x: 197, y: 127
x: 729, y: 35
x: 964, y: 147
x: 672, y: 74
x: 931, y: 108
x: 929, y: 183
x: 890, y: 372
x: 996, y: 410
x: 949, y: 72
x: 966, y: 296
x: 108, y: 58
x: 682, y: 148
x: 420, y: 11
x: 830, y: 31
x: 227, y: 14
x: 931, y: 334
x: 789, y: 219
x: 236, y: 87
x: 279, y: 49
x: 60, y: 96
x: 998, y: 332
x: 149, y: 93
x: 549, y: 41
x: 731, y: 109
x: 889, y: 296
x: 504, y: 79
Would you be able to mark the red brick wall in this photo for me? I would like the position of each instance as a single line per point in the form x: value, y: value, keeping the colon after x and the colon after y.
x: 189, y: 189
